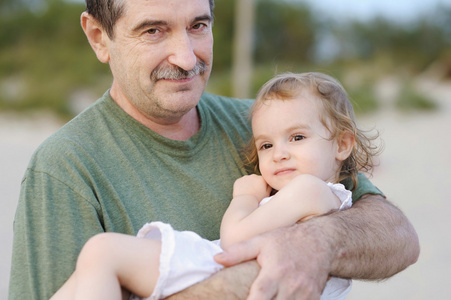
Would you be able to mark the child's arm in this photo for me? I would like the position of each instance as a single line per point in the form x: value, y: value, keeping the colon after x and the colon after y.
x: 304, y: 197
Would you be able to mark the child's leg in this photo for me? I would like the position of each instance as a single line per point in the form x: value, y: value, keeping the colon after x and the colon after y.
x: 67, y: 290
x: 109, y: 261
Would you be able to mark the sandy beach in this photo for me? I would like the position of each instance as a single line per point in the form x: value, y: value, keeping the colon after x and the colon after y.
x: 414, y: 173
x: 19, y: 137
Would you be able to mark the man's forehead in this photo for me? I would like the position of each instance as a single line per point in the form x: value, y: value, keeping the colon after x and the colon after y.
x: 173, y: 6
x: 167, y: 11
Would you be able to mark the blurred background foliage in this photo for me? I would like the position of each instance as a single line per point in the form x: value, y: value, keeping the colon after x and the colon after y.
x: 46, y: 62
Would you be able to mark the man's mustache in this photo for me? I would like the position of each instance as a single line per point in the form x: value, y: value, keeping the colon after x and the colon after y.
x: 177, y: 73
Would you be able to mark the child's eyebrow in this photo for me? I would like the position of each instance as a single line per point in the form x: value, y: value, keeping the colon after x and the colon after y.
x: 303, y: 127
x: 300, y: 126
x: 260, y: 137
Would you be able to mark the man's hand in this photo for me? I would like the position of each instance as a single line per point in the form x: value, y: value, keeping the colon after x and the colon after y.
x: 372, y: 240
x: 299, y: 271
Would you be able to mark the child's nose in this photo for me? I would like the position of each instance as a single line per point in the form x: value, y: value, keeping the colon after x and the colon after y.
x: 280, y: 153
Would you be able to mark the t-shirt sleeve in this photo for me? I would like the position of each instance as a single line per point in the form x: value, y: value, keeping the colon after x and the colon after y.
x: 364, y: 186
x: 48, y: 235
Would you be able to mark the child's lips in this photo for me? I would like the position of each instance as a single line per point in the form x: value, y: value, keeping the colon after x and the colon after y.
x: 284, y: 171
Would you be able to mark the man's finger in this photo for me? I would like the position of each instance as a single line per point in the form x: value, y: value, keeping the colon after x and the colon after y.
x: 263, y: 290
x: 237, y: 253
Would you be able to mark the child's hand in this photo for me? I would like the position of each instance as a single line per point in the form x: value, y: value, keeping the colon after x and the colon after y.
x: 253, y: 185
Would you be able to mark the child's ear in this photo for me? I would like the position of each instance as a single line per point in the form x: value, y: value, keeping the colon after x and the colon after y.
x: 345, y: 143
x: 96, y: 35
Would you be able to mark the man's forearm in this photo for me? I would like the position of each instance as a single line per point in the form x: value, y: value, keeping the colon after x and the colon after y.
x: 229, y: 284
x: 374, y: 240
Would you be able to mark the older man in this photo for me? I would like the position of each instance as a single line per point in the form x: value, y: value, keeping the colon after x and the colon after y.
x: 156, y: 147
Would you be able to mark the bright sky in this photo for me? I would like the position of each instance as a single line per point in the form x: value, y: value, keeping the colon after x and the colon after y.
x: 363, y: 9
x: 402, y: 10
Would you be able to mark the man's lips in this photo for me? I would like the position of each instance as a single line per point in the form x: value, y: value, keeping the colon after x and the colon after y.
x: 181, y: 80
x: 284, y: 171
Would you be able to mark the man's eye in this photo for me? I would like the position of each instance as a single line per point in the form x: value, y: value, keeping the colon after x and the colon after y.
x: 153, y: 31
x: 199, y: 26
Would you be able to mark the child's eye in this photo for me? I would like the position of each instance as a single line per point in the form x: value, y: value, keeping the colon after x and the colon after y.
x: 298, y: 137
x: 265, y: 146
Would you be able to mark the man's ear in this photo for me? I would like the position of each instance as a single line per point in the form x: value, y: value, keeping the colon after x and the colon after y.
x: 345, y: 143
x: 96, y: 35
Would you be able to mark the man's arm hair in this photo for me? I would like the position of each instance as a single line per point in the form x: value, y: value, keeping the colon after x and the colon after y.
x: 231, y: 283
x: 373, y: 240
x: 379, y: 240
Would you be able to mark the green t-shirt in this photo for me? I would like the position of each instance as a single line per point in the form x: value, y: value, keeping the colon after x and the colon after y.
x: 104, y: 171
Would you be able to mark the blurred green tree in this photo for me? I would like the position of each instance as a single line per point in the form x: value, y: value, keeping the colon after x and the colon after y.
x: 45, y: 60
x: 415, y: 44
x: 284, y: 39
x: 285, y: 32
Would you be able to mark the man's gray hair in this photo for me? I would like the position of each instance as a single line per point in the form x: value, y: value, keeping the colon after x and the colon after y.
x: 107, y: 12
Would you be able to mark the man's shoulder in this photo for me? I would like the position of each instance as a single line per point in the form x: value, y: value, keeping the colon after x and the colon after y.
x: 72, y: 137
x: 226, y: 108
x: 228, y: 115
x: 364, y: 186
x: 224, y: 101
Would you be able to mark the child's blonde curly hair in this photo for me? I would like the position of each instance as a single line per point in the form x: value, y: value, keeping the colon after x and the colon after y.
x: 337, y: 115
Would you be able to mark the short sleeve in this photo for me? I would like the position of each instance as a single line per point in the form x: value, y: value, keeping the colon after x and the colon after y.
x: 364, y: 186
x: 48, y: 235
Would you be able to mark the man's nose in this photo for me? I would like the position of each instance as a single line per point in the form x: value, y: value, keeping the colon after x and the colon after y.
x: 182, y: 52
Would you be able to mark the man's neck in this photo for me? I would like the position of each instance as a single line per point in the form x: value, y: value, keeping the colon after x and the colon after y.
x: 179, y: 129
x: 182, y: 130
